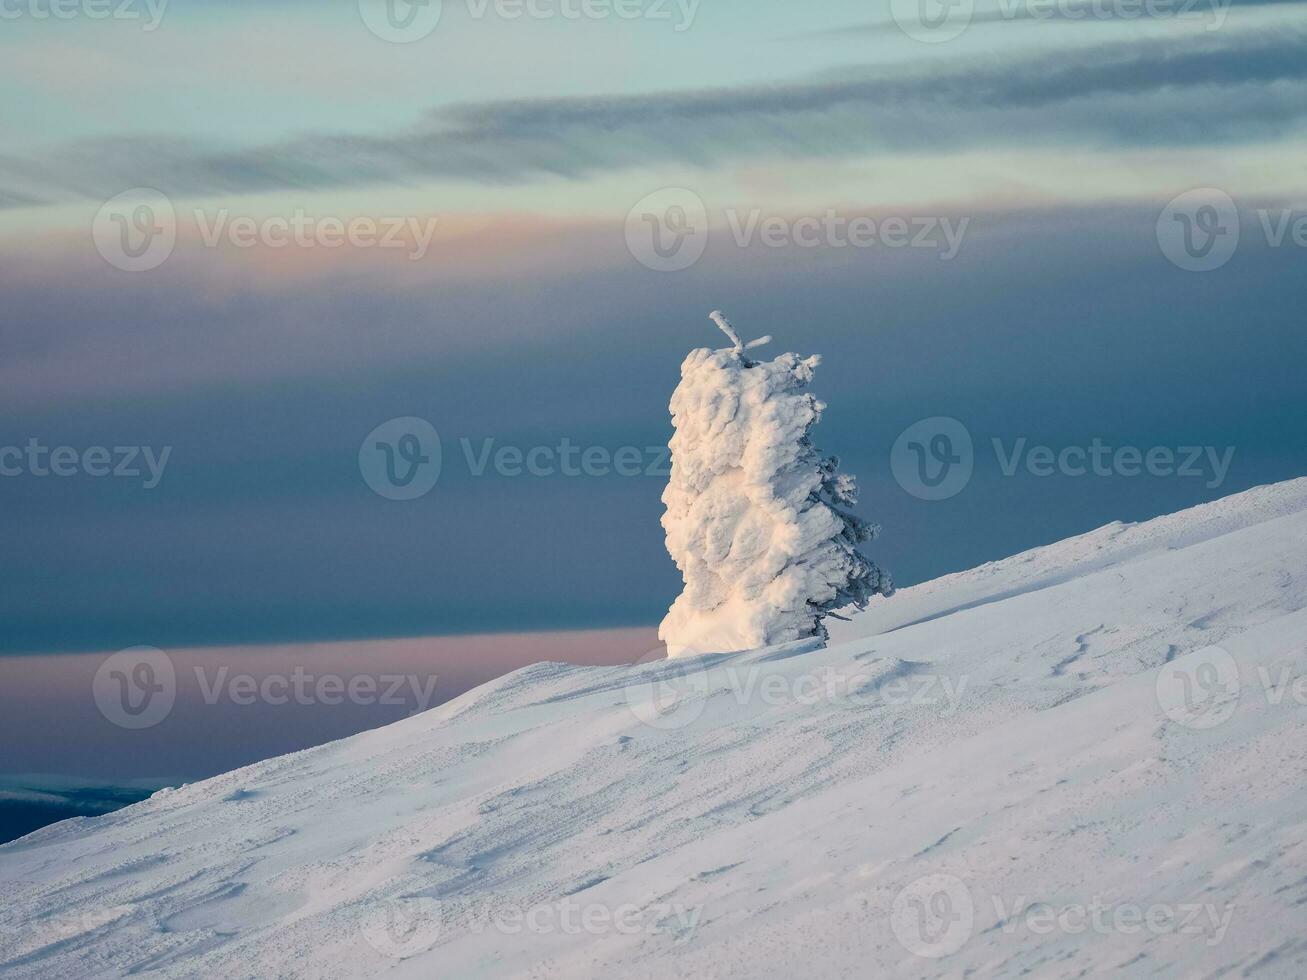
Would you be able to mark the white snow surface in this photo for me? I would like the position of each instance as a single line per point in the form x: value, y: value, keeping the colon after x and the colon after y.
x: 966, y: 763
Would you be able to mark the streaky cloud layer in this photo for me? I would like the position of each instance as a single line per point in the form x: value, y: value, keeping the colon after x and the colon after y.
x: 1157, y: 93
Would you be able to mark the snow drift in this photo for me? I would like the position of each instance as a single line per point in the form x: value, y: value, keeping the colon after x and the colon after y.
x: 1082, y: 760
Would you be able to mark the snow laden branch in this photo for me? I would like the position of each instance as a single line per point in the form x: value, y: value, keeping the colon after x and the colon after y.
x: 719, y: 318
x: 758, y: 522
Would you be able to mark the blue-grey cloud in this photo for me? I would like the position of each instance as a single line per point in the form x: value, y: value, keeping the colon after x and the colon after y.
x: 14, y: 199
x: 1172, y: 92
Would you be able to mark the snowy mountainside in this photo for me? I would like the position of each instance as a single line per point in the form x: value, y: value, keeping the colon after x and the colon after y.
x: 1084, y: 758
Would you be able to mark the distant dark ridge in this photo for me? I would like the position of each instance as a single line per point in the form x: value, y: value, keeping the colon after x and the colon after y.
x: 20, y: 817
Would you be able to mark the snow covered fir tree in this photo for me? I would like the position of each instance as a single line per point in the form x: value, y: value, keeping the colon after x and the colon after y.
x: 756, y: 518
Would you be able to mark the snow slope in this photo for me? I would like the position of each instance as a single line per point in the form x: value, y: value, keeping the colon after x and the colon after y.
x: 1034, y: 766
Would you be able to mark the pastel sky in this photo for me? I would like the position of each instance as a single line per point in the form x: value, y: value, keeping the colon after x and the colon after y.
x: 1057, y: 135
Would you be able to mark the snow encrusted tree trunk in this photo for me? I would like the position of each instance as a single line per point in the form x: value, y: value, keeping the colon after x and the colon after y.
x: 756, y: 518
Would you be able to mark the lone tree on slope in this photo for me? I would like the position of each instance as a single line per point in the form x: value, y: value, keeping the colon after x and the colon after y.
x: 757, y: 519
